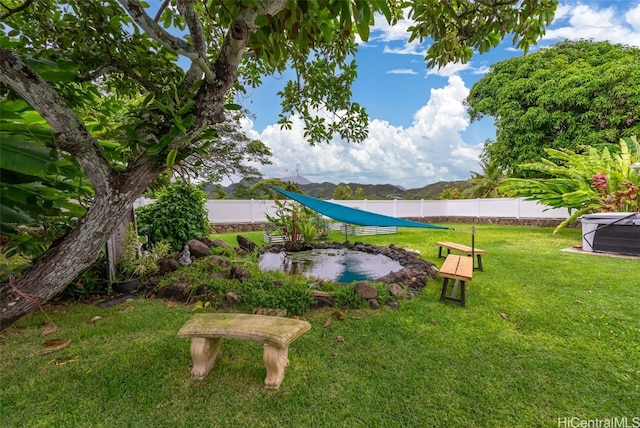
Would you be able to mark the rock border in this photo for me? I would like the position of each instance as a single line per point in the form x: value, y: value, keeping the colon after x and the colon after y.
x: 405, y: 283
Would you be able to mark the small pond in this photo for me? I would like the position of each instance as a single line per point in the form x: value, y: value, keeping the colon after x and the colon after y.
x: 340, y: 265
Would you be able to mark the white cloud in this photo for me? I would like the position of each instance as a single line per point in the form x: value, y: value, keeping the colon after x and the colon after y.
x: 430, y: 150
x: 450, y: 69
x: 382, y: 31
x: 406, y: 49
x: 632, y: 17
x: 583, y: 21
x: 402, y: 71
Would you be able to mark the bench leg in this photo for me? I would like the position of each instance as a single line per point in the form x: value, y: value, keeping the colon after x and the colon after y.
x: 479, y: 262
x: 443, y: 293
x: 204, y: 351
x: 458, y: 284
x: 439, y: 252
x: 275, y: 361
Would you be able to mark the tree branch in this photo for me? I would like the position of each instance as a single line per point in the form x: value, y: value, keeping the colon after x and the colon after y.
x: 162, y: 7
x: 175, y: 44
x: 18, y: 9
x: 73, y: 135
x: 195, y: 27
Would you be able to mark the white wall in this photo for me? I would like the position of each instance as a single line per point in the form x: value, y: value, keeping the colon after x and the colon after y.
x: 253, y: 211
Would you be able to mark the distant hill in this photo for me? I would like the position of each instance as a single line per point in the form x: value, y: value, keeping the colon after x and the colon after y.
x: 371, y: 191
x: 325, y: 190
x: 433, y: 191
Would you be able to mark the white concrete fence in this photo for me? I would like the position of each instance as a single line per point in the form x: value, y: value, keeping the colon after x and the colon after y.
x: 227, y: 211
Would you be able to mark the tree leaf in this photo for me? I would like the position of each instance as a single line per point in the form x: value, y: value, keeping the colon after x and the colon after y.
x: 49, y: 330
x: 56, y: 348
x: 171, y: 157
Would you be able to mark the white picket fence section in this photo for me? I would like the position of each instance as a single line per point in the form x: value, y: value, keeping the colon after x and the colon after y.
x: 226, y: 211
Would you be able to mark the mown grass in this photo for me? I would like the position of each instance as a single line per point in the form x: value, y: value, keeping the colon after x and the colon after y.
x: 546, y: 334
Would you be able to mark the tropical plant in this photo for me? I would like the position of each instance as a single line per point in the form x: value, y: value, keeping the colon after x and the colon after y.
x: 486, y: 183
x: 178, y: 215
x: 43, y: 191
x: 295, y: 222
x: 124, y: 106
x: 134, y: 263
x: 594, y: 181
x: 563, y: 97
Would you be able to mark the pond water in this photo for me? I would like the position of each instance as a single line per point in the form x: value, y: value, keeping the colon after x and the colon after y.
x: 340, y: 265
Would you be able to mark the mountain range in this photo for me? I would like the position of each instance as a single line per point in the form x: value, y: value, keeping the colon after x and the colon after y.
x: 325, y: 190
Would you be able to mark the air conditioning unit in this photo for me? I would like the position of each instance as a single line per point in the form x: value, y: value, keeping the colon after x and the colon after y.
x: 611, y: 232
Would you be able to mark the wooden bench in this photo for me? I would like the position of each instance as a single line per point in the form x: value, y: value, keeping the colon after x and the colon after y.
x: 460, y: 269
x: 462, y: 249
x: 276, y: 334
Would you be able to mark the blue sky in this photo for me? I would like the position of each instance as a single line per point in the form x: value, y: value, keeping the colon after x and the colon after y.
x: 419, y: 130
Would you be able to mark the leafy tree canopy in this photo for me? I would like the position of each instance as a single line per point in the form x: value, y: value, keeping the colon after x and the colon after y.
x: 572, y: 95
x: 128, y: 92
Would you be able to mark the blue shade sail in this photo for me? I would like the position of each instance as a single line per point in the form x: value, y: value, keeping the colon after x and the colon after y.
x: 352, y: 215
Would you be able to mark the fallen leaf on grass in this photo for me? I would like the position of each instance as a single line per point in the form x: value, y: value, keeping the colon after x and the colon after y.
x: 505, y: 316
x: 61, y: 361
x: 580, y: 302
x: 94, y: 319
x: 356, y: 318
x: 170, y: 304
x: 129, y: 309
x: 327, y: 323
x: 47, y: 331
x: 339, y: 315
x: 339, y: 338
x: 53, y: 342
x: 53, y: 349
x: 434, y: 321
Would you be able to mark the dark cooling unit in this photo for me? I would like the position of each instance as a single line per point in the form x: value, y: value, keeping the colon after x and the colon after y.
x: 611, y: 232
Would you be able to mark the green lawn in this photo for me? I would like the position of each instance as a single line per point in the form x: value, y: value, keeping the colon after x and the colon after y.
x: 545, y: 335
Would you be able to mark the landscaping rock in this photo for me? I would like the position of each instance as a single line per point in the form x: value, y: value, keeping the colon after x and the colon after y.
x: 218, y: 261
x: 177, y: 291
x: 167, y: 265
x: 219, y: 243
x: 239, y: 273
x: 366, y: 291
x: 393, y: 305
x: 322, y: 301
x: 246, y: 244
x: 231, y: 299
x: 397, y: 291
x: 374, y: 304
x: 198, y: 249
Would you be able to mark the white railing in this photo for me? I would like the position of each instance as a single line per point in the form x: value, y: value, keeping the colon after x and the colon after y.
x: 223, y: 211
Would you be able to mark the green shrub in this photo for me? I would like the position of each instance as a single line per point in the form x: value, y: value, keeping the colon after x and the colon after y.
x: 346, y: 297
x: 178, y: 215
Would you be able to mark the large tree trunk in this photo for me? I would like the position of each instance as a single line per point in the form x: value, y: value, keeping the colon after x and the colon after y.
x: 115, y: 190
x: 75, y: 252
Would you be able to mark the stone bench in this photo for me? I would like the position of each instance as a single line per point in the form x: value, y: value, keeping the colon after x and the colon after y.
x: 275, y: 333
x: 460, y: 269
